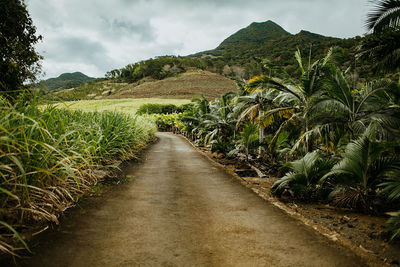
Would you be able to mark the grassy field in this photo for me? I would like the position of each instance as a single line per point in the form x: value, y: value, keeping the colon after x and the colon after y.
x: 129, y: 106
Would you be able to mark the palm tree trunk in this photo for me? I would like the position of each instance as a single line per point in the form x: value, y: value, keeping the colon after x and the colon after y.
x: 308, y: 142
x: 260, y: 134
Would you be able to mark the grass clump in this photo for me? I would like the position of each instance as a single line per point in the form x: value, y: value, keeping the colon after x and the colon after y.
x: 51, y: 156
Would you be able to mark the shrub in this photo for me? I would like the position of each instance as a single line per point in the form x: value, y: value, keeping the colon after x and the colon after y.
x: 157, y: 109
x: 302, y: 179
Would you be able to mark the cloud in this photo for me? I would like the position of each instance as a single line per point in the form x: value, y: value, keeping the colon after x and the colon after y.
x: 97, y: 36
x: 119, y: 28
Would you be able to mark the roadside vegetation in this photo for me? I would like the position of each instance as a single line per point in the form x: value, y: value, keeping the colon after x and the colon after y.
x: 49, y: 157
x: 332, y: 138
x: 331, y: 142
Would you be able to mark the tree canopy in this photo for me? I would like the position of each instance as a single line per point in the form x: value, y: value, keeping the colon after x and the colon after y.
x: 19, y: 62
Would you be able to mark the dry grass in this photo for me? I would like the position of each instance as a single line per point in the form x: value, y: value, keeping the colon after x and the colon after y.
x: 186, y: 86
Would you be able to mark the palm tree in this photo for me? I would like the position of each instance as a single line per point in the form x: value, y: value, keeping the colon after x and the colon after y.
x: 248, y: 140
x: 356, y: 176
x: 352, y: 110
x: 193, y: 120
x: 383, y: 46
x: 252, y: 107
x: 296, y: 100
x: 382, y: 50
x: 386, y: 14
x: 219, y: 123
x: 303, y: 175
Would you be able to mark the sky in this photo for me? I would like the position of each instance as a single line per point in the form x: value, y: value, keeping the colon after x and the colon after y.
x: 94, y: 37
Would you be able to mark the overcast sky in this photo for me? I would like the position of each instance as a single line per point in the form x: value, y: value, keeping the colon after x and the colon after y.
x: 97, y: 36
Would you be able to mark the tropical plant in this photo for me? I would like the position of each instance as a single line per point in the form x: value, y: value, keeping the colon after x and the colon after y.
x: 302, y: 179
x: 252, y: 107
x: 386, y: 14
x: 382, y: 50
x: 383, y: 46
x: 248, y: 140
x: 296, y: 100
x: 393, y: 223
x: 391, y: 185
x: 219, y: 123
x: 391, y: 188
x: 354, y: 179
x: 343, y: 110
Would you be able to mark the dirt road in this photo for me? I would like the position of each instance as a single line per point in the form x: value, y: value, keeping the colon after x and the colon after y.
x: 181, y: 210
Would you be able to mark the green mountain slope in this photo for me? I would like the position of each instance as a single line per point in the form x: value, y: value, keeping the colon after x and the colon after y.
x: 255, y: 34
x: 66, y: 81
x: 268, y: 42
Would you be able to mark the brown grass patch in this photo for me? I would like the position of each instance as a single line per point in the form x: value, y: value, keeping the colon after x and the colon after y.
x: 186, y: 86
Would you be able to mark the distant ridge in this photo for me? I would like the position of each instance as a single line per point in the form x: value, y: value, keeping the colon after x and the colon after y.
x: 66, y: 81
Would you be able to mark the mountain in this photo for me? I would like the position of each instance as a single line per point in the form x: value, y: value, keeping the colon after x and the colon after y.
x: 250, y: 47
x: 256, y: 33
x: 66, y: 81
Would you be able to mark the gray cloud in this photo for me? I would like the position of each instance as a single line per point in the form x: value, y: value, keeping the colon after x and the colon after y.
x: 119, y: 28
x: 97, y: 36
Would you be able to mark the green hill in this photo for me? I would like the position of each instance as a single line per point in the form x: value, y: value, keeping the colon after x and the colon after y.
x: 256, y: 33
x: 66, y: 81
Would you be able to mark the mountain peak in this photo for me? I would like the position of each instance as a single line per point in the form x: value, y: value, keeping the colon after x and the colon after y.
x: 255, y: 33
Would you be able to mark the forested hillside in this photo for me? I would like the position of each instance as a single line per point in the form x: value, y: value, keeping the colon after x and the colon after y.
x: 66, y: 81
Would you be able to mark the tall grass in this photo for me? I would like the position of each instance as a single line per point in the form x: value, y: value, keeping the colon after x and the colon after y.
x: 50, y: 156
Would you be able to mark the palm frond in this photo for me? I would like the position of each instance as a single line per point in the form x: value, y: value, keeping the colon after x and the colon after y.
x: 386, y: 14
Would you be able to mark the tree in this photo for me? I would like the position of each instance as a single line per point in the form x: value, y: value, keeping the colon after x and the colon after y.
x: 19, y: 61
x: 385, y: 15
x: 296, y: 101
x: 252, y: 107
x: 382, y: 49
x: 383, y: 46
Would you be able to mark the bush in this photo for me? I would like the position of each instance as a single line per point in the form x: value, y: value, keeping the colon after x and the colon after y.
x: 168, y: 122
x: 157, y: 109
x: 302, y: 179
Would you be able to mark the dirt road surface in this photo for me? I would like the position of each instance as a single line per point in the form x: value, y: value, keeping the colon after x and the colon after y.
x: 181, y: 210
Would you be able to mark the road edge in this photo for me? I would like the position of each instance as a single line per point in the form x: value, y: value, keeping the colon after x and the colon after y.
x: 360, y: 251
